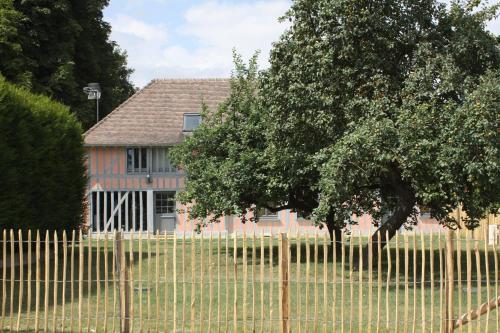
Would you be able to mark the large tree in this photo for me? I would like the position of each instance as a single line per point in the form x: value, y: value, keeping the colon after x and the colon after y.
x: 57, y: 47
x: 368, y: 107
x: 12, y: 61
x: 225, y: 158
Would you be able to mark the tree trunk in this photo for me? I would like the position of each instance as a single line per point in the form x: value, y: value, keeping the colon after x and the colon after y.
x: 385, y: 233
x: 387, y: 230
x: 333, y: 229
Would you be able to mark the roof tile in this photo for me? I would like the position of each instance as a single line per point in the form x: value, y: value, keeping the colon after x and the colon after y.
x: 154, y: 115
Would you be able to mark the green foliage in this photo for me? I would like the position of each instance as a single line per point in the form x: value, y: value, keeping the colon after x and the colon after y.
x: 41, y: 170
x: 13, y: 62
x: 368, y: 107
x: 363, y: 93
x: 224, y: 157
x: 473, y: 152
x: 57, y: 47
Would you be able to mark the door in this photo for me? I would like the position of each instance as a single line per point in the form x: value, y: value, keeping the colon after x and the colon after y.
x: 165, y: 211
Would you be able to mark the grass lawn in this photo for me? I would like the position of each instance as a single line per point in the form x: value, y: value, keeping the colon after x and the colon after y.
x: 204, y: 290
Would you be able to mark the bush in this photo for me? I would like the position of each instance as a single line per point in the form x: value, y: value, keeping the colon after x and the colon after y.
x: 42, y: 174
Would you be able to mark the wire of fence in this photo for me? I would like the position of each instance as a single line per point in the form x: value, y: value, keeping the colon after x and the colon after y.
x: 435, y: 282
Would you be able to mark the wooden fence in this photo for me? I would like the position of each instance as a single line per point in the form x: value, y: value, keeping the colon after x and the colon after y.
x: 250, y: 283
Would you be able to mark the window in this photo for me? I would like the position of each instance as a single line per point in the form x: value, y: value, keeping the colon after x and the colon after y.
x: 301, y: 215
x: 424, y: 211
x: 144, y: 160
x: 161, y: 161
x: 191, y: 121
x: 165, y: 203
x: 137, y: 160
x: 266, y: 214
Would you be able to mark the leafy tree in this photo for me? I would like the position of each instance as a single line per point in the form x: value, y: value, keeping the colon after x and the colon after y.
x: 61, y: 46
x: 42, y: 175
x: 363, y: 95
x: 231, y: 167
x: 368, y: 107
x: 13, y: 63
x: 225, y: 156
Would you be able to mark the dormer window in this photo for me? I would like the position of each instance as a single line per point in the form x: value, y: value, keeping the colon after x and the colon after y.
x: 191, y: 121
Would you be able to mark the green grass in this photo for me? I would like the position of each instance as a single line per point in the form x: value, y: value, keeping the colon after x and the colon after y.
x: 196, y: 310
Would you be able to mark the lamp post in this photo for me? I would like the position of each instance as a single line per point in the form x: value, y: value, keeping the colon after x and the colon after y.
x: 93, y: 91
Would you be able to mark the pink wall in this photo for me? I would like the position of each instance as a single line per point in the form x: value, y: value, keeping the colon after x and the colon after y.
x: 286, y: 221
x: 107, y: 170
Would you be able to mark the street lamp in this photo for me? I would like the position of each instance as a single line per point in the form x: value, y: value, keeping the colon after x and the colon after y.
x: 93, y: 91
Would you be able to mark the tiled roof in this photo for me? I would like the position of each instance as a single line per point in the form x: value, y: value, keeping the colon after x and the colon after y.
x: 154, y: 115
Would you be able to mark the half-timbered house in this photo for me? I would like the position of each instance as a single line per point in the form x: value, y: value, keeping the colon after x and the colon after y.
x: 131, y: 182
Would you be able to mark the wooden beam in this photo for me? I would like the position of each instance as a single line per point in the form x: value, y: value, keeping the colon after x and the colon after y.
x: 141, y: 211
x: 112, y: 194
x: 133, y: 211
x: 120, y: 209
x: 474, y: 314
x: 98, y: 212
x: 105, y: 215
x: 149, y: 210
x: 284, y: 281
x: 127, y: 228
x: 90, y: 203
x: 113, y: 213
x: 448, y: 318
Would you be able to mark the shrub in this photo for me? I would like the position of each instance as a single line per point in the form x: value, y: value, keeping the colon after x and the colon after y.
x: 42, y: 175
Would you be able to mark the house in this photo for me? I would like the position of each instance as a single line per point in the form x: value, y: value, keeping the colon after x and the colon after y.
x: 131, y: 182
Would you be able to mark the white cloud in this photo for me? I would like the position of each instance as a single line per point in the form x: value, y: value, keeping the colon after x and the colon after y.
x: 201, y: 44
x: 144, y: 45
x: 220, y: 27
x: 494, y: 26
x: 127, y: 25
x: 248, y: 25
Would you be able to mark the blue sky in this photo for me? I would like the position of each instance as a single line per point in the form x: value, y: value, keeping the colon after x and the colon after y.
x: 194, y: 38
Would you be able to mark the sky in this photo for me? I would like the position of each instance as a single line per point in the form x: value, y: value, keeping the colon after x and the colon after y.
x: 195, y: 38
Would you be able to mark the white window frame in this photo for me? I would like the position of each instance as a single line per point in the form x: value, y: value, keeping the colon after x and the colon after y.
x: 267, y: 216
x: 167, y: 163
x: 184, y: 121
x: 139, y: 168
x: 168, y: 167
x: 166, y: 193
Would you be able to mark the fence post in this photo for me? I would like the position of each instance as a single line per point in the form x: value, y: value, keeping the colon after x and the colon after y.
x: 122, y: 272
x: 284, y: 275
x: 448, y: 315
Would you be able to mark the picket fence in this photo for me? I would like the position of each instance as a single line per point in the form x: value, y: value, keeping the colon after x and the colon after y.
x: 248, y: 283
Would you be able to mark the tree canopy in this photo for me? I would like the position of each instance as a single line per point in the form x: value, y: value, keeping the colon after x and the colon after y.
x: 57, y: 47
x: 368, y: 107
x: 224, y: 157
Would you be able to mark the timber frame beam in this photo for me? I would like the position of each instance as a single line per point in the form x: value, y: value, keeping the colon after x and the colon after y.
x: 113, y: 213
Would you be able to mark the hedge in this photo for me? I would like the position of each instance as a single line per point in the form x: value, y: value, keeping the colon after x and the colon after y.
x: 42, y: 173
